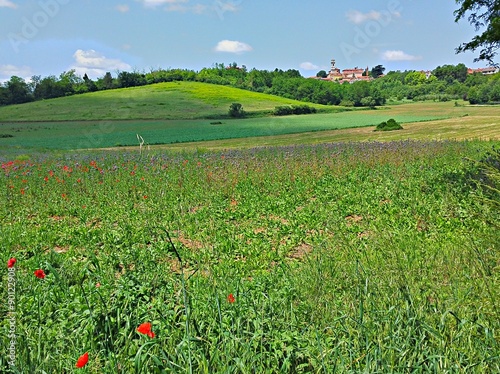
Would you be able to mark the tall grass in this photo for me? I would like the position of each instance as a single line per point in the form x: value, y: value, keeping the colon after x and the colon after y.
x: 343, y: 257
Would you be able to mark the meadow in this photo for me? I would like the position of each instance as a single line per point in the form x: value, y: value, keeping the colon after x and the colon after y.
x: 379, y: 257
x: 448, y: 122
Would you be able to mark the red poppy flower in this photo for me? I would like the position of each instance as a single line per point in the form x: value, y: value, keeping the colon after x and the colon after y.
x: 231, y: 298
x: 39, y: 273
x: 82, y: 360
x: 145, y: 328
x: 11, y: 263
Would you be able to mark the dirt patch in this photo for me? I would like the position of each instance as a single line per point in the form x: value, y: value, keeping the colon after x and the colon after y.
x: 352, y: 219
x: 301, y: 251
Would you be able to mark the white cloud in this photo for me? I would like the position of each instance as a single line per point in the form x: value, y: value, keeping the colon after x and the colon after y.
x: 399, y: 56
x: 357, y: 17
x: 309, y: 66
x: 123, y: 8
x: 232, y: 46
x: 7, y: 4
x: 7, y: 71
x: 95, y: 64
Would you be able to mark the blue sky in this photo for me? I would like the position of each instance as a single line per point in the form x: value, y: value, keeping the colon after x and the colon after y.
x: 47, y: 37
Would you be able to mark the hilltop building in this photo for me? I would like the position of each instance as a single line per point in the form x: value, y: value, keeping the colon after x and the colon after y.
x: 485, y: 71
x: 347, y: 75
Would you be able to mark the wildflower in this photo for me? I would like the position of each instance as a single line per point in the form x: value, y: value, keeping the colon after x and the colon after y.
x: 98, y: 285
x: 11, y: 263
x: 22, y: 191
x: 82, y: 360
x: 39, y: 274
x: 145, y: 196
x: 231, y: 298
x: 145, y: 329
x: 46, y: 179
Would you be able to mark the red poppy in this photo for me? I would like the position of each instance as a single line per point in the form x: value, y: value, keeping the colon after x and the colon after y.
x: 39, y: 274
x: 231, y: 298
x: 82, y: 360
x: 11, y: 263
x: 145, y: 328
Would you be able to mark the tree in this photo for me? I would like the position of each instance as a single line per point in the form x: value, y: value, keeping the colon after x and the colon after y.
x: 18, y: 91
x: 236, y: 110
x: 450, y: 73
x: 322, y: 74
x: 377, y: 71
x: 89, y: 83
x: 483, y: 14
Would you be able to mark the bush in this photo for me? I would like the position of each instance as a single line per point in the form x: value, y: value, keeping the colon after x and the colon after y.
x: 294, y: 109
x: 390, y: 125
x: 348, y: 103
x: 236, y: 110
x: 282, y: 110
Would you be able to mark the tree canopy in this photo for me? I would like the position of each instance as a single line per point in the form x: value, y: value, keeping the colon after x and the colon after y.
x: 483, y: 15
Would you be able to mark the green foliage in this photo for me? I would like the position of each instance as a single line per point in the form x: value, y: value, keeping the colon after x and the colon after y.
x: 483, y: 15
x: 321, y: 74
x: 377, y: 71
x: 236, y: 110
x: 390, y: 125
x: 448, y: 80
x: 285, y: 110
x: 451, y: 73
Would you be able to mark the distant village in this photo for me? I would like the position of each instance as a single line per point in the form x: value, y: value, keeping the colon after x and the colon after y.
x: 357, y: 74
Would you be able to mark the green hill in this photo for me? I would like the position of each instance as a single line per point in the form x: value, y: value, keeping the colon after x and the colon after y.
x: 174, y: 100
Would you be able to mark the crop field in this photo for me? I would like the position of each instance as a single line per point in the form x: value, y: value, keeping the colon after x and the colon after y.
x: 448, y: 122
x: 346, y: 257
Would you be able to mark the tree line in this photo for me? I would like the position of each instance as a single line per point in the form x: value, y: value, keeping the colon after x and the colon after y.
x: 448, y: 82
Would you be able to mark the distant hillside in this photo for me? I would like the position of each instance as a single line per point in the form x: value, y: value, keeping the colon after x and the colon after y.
x: 173, y: 100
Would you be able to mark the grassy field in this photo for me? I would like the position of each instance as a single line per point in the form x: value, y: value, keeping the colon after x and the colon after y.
x: 162, y: 101
x: 447, y: 121
x: 330, y: 248
x: 358, y: 257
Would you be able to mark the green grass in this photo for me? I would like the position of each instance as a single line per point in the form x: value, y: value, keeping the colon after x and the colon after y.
x: 104, y: 134
x: 165, y: 101
x: 342, y: 258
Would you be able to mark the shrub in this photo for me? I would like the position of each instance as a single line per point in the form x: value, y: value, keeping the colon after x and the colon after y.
x: 294, y: 109
x: 282, y: 110
x: 348, y: 103
x: 390, y: 125
x: 236, y: 110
